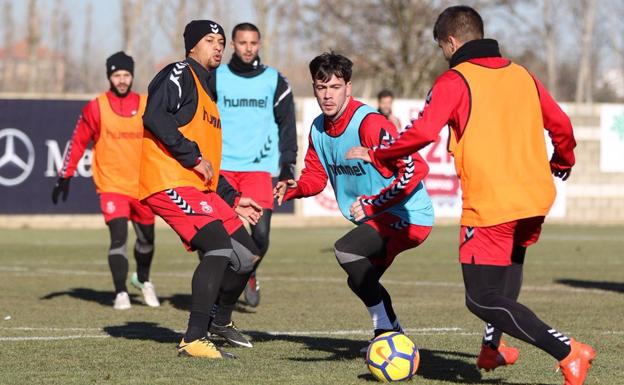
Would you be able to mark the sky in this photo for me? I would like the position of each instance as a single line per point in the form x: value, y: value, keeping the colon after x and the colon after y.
x: 106, y: 15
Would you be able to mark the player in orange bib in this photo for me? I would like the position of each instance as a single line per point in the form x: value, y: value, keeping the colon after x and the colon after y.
x: 112, y: 121
x: 180, y: 181
x: 496, y: 111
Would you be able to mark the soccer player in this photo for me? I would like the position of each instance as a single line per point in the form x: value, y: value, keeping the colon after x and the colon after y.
x: 259, y: 133
x: 179, y: 179
x: 384, y: 107
x: 112, y: 121
x: 389, y: 204
x: 496, y: 111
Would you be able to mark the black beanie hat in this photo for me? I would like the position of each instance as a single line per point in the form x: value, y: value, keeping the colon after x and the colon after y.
x: 119, y: 61
x: 196, y: 29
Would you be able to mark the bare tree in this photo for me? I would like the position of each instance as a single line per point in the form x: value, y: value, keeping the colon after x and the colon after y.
x: 173, y: 15
x: 389, y: 41
x: 33, y: 39
x: 131, y: 11
x: 86, y: 47
x: 540, y: 24
x: 583, y: 81
x: 8, y: 72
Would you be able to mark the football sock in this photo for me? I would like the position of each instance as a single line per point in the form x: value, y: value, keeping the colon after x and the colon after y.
x: 205, y: 288
x: 118, y: 264
x: 232, y: 287
x: 380, y: 317
x: 143, y: 250
x: 197, y: 326
x: 117, y: 258
x: 387, y: 301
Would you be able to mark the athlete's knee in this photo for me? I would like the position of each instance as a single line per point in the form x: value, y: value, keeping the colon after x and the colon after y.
x: 118, y: 229
x: 243, y: 260
x: 482, y: 303
x: 145, y: 238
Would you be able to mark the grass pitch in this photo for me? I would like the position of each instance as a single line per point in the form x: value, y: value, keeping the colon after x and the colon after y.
x: 56, y: 288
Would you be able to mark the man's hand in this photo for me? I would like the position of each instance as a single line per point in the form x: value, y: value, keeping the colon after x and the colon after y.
x: 358, y: 153
x: 280, y: 189
x: 559, y: 173
x: 61, y: 186
x: 249, y: 210
x: 204, y: 167
x: 357, y: 210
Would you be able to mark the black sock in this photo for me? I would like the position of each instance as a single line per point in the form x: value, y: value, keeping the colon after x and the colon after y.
x: 231, y: 288
x: 143, y: 254
x: 119, y: 268
x: 387, y: 301
x: 205, y: 289
x: 143, y: 250
x: 513, y: 284
x: 117, y: 257
x: 197, y: 326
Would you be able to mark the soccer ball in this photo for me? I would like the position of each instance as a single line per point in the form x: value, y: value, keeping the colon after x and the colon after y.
x: 392, y: 356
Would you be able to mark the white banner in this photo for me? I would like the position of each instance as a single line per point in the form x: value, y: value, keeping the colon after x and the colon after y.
x: 612, y: 138
x: 442, y: 182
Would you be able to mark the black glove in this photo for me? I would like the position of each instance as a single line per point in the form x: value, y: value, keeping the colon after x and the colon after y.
x: 287, y: 172
x: 61, y: 186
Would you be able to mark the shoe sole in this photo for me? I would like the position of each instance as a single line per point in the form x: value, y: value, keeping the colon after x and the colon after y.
x: 224, y: 355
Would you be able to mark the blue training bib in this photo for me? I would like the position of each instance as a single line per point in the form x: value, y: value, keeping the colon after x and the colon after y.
x: 250, y: 133
x: 353, y: 178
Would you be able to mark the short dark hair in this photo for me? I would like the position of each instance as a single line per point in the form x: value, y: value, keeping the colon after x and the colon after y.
x: 461, y: 22
x: 324, y: 66
x: 385, y: 94
x: 245, y: 27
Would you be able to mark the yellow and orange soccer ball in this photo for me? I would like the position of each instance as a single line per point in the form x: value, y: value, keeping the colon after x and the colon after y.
x: 392, y: 357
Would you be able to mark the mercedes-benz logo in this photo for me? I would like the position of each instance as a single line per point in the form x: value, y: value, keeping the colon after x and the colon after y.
x: 14, y: 169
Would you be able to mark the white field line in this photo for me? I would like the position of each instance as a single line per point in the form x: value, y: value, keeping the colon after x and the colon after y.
x: 50, y: 338
x: 26, y: 272
x: 302, y: 333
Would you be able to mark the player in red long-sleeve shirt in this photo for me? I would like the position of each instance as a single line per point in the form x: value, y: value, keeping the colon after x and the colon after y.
x: 112, y: 121
x: 388, y: 203
x: 497, y: 112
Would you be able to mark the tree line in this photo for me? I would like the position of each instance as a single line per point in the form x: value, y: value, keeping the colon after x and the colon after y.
x: 576, y: 47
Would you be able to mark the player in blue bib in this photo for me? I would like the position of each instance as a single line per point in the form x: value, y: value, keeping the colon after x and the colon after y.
x: 389, y: 204
x: 257, y: 112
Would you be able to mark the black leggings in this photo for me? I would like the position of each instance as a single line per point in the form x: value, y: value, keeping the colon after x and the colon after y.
x: 486, y: 298
x: 354, y: 252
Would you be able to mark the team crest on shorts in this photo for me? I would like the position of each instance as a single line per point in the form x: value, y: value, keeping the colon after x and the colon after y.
x: 110, y: 207
x: 205, y: 207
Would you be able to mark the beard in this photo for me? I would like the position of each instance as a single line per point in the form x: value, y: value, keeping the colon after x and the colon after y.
x: 119, y: 94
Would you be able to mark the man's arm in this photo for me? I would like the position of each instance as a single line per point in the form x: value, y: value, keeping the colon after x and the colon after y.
x: 441, y: 107
x: 171, y: 88
x: 408, y: 171
x: 284, y: 112
x: 228, y: 193
x: 313, y: 177
x: 87, y: 129
x: 559, y: 128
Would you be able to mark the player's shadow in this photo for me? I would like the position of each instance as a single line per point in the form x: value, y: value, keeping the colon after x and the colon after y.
x: 599, y: 285
x: 183, y: 302
x: 338, y: 348
x: 454, y: 367
x: 149, y: 331
x: 102, y: 297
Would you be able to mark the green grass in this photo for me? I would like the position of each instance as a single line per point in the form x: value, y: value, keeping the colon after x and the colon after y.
x: 56, y: 283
